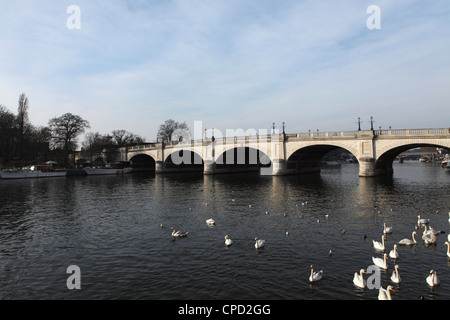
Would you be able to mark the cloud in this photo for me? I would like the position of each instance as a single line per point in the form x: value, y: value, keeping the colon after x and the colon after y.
x: 312, y: 64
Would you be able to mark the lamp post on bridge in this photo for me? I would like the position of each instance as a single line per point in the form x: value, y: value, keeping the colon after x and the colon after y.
x: 359, y: 124
x: 371, y: 123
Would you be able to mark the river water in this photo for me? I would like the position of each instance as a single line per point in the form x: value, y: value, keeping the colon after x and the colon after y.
x: 116, y: 229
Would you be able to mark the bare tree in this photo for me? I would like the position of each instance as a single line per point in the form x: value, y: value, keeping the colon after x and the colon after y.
x: 166, y: 130
x: 124, y: 138
x: 65, y: 130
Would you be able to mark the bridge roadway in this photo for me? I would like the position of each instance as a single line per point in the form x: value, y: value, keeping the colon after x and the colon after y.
x: 284, y: 153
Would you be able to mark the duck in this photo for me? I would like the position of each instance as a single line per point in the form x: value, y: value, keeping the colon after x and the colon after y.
x: 259, y: 243
x: 358, y: 279
x: 385, y: 294
x: 381, y: 263
x: 210, y: 222
x: 409, y: 242
x: 178, y: 233
x: 393, y: 253
x: 432, y: 279
x: 228, y: 241
x: 379, y: 245
x: 395, y: 277
x: 387, y: 230
x: 315, y: 276
x: 422, y: 221
x: 448, y: 248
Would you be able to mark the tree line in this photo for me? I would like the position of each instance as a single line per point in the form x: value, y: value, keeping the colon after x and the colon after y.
x: 22, y: 143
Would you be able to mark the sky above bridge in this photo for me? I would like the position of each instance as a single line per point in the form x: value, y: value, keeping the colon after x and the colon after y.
x: 230, y: 64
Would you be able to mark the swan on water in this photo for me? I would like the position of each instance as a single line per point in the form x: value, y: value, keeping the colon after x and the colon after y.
x: 381, y: 263
x: 422, y: 221
x: 393, y: 253
x: 409, y: 242
x: 358, y: 279
x: 385, y: 294
x: 432, y: 279
x: 315, y: 276
x: 387, y: 229
x: 259, y: 243
x: 228, y: 241
x: 428, y: 236
x: 395, y: 277
x: 210, y: 222
x: 448, y: 248
x: 379, y: 245
x: 178, y: 233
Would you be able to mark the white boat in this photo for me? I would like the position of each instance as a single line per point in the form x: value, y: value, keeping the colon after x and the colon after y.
x: 110, y: 169
x: 35, y: 171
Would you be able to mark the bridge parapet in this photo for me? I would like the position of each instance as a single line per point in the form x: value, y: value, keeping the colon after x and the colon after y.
x: 413, y: 132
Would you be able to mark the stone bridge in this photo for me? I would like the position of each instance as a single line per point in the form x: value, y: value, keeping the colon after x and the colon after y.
x: 284, y: 153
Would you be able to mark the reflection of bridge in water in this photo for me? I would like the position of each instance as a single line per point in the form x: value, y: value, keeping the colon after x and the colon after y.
x: 281, y: 154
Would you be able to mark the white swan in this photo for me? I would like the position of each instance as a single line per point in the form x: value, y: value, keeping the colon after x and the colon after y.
x: 448, y: 248
x: 395, y: 277
x: 387, y: 229
x: 381, y: 263
x: 385, y: 294
x: 409, y: 242
x: 228, y: 241
x: 448, y: 237
x: 178, y: 233
x: 210, y: 222
x: 315, y: 276
x: 358, y: 279
x: 259, y: 243
x: 379, y: 245
x: 393, y: 253
x: 428, y: 236
x: 422, y: 221
x: 432, y: 279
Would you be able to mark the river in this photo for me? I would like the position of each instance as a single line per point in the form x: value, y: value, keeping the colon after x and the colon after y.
x: 116, y: 229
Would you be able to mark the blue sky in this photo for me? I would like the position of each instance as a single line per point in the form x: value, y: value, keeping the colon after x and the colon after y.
x: 230, y: 64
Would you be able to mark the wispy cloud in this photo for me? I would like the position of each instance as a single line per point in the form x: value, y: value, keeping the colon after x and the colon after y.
x: 312, y: 64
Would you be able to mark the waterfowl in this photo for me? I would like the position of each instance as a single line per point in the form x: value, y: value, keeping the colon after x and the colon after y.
x: 315, y: 276
x: 448, y: 248
x: 432, y: 279
x: 210, y: 222
x: 358, y: 279
x: 381, y: 263
x: 393, y: 253
x: 228, y: 241
x: 178, y: 233
x: 387, y: 229
x: 409, y: 242
x: 259, y: 243
x: 422, y: 221
x: 395, y: 277
x: 379, y: 245
x: 385, y: 294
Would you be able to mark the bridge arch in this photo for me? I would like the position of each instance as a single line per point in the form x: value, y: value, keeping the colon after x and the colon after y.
x: 241, y: 159
x: 308, y: 158
x: 183, y: 160
x: 388, y: 152
x: 143, y: 162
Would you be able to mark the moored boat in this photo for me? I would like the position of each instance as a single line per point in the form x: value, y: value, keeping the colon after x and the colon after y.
x: 35, y: 171
x: 109, y: 169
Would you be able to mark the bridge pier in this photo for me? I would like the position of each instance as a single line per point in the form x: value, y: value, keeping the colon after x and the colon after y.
x: 367, y: 167
x: 209, y: 167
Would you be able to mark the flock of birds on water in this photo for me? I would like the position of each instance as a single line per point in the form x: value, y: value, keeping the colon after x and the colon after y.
x: 428, y: 236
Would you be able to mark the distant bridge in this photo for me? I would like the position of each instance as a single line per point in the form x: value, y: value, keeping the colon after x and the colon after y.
x: 284, y: 153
